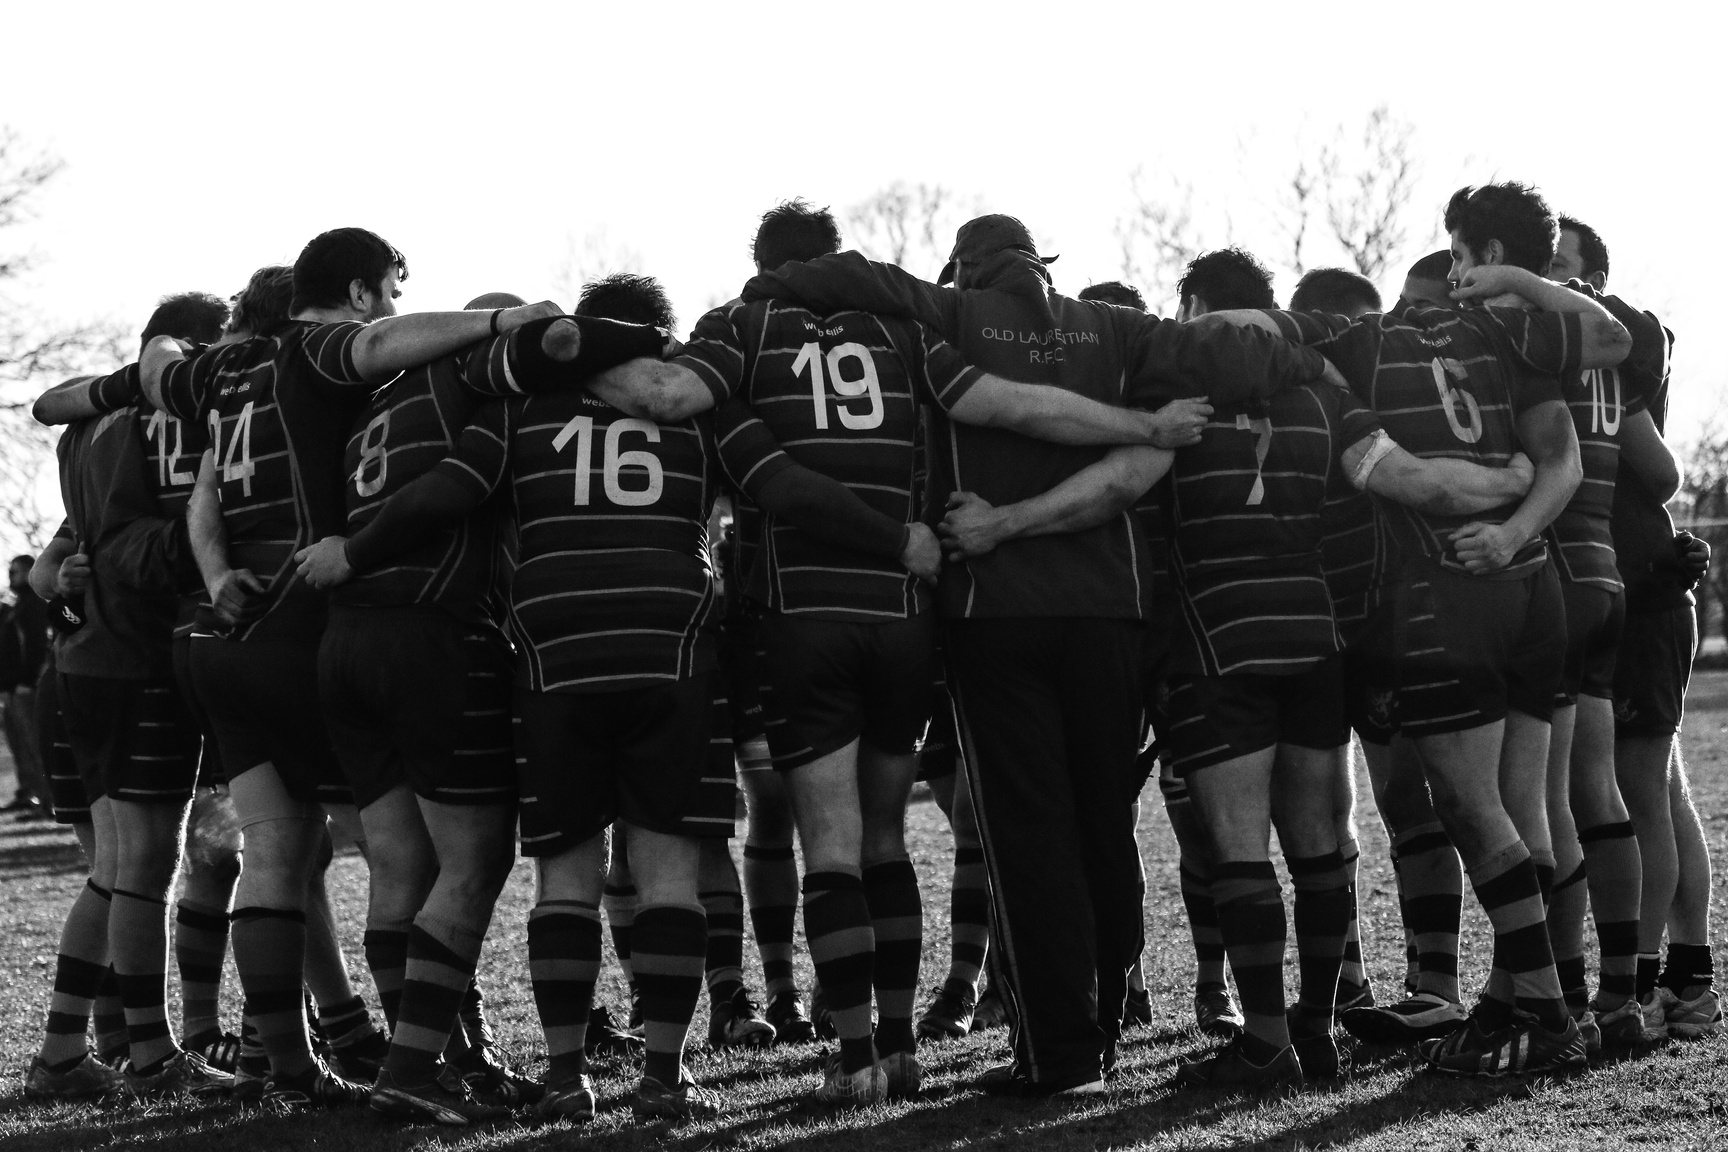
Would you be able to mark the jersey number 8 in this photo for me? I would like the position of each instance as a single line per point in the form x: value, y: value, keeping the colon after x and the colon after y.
x: 613, y: 461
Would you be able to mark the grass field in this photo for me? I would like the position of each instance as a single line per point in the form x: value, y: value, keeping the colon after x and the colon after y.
x: 1674, y: 1097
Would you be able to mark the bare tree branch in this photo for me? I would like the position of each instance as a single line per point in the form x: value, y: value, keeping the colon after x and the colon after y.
x: 1157, y: 238
x: 911, y: 225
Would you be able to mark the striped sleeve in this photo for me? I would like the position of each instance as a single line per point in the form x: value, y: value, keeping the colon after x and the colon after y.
x: 482, y: 454
x: 1356, y: 419
x: 1532, y: 388
x: 188, y: 385
x: 748, y: 450
x: 1551, y: 343
x: 945, y: 375
x: 715, y: 353
x: 1353, y: 347
x: 330, y: 348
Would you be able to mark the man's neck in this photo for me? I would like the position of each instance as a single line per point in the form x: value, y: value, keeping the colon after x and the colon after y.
x: 328, y: 316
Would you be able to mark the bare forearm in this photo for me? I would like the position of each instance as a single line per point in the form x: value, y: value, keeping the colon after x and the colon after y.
x: 1048, y: 413
x: 47, y: 566
x: 204, y: 524
x: 653, y: 390
x: 1090, y: 497
x: 1464, y: 488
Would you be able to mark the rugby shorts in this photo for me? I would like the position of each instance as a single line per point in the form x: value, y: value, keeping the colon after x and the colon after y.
x: 1155, y: 740
x: 741, y: 661
x: 1595, y: 617
x: 1214, y: 719
x: 65, y: 785
x: 412, y: 695
x: 1652, y: 671
x: 1371, y: 678
x: 939, y: 750
x: 835, y: 682
x: 659, y: 758
x: 210, y: 773
x: 262, y: 698
x: 133, y: 740
x: 1471, y: 648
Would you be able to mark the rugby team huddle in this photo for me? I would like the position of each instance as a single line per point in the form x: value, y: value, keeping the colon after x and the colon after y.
x: 514, y: 576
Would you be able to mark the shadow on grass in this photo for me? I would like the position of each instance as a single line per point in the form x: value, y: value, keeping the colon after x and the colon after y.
x: 40, y: 858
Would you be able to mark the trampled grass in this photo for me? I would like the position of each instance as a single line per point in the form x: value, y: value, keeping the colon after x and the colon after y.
x: 1674, y: 1097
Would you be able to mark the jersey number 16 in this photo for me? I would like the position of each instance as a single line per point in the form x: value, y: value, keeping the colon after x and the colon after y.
x: 581, y: 430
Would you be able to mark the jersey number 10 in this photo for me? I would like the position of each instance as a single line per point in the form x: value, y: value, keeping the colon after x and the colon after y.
x: 581, y: 430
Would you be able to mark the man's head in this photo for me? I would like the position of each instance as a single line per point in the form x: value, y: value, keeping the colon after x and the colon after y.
x: 488, y: 301
x: 794, y: 230
x: 982, y: 237
x: 1426, y: 284
x: 1580, y: 255
x: 628, y: 297
x: 348, y: 270
x: 1221, y: 280
x: 1506, y: 223
x: 1115, y: 292
x: 1338, y: 291
x: 196, y: 317
x: 18, y: 572
x: 263, y: 303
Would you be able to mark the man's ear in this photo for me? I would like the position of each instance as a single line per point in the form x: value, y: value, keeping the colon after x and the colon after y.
x: 1598, y: 281
x: 1493, y: 252
x: 357, y: 294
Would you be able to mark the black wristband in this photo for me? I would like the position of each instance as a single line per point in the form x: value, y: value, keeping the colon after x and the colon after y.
x: 609, y: 343
x: 494, y: 322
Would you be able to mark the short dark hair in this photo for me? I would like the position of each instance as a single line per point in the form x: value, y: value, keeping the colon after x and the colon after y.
x: 1590, y: 245
x: 24, y: 559
x: 794, y: 230
x: 1512, y: 213
x: 1227, y: 278
x: 264, y: 304
x: 333, y: 260
x: 1434, y: 266
x: 628, y: 297
x: 1114, y: 292
x: 194, y: 316
x: 1335, y: 290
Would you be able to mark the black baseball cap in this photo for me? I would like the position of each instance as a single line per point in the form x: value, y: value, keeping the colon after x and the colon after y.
x: 985, y: 236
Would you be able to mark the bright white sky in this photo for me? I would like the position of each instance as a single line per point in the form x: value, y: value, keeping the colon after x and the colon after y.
x: 486, y: 140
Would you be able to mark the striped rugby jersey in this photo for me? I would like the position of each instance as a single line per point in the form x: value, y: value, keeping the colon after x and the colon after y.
x: 1448, y: 384
x: 1353, y: 552
x: 841, y: 395
x: 1246, y: 505
x: 174, y: 448
x: 1581, y: 535
x: 278, y: 408
x: 407, y: 428
x: 614, y: 586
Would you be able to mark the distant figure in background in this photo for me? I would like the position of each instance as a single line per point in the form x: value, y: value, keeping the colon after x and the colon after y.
x: 23, y: 648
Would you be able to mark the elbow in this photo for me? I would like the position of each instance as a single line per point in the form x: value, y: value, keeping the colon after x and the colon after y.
x: 1666, y: 485
x: 1613, y: 344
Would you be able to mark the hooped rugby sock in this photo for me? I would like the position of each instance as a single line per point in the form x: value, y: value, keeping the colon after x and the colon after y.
x: 1647, y: 974
x: 968, y: 917
x: 723, y: 903
x: 1322, y: 921
x: 441, y: 961
x: 1566, y: 908
x: 347, y: 1022
x: 1616, y: 875
x: 1353, y: 973
x: 387, y: 956
x: 619, y: 900
x: 200, y: 944
x: 270, y: 952
x: 1689, y: 965
x: 1202, y: 924
x: 1251, y: 918
x: 843, y: 951
x: 1433, y: 905
x: 670, y: 945
x: 1542, y: 859
x: 1412, y: 967
x: 563, y: 963
x: 1505, y: 883
x: 138, y: 950
x: 108, y: 1021
x: 79, y: 970
x: 474, y: 1020
x: 897, y: 923
x: 771, y: 879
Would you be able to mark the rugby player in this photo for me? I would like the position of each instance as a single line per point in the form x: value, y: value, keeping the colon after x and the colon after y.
x: 279, y: 407
x: 1042, y: 629
x: 1476, y: 612
x: 131, y: 735
x: 1658, y: 567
